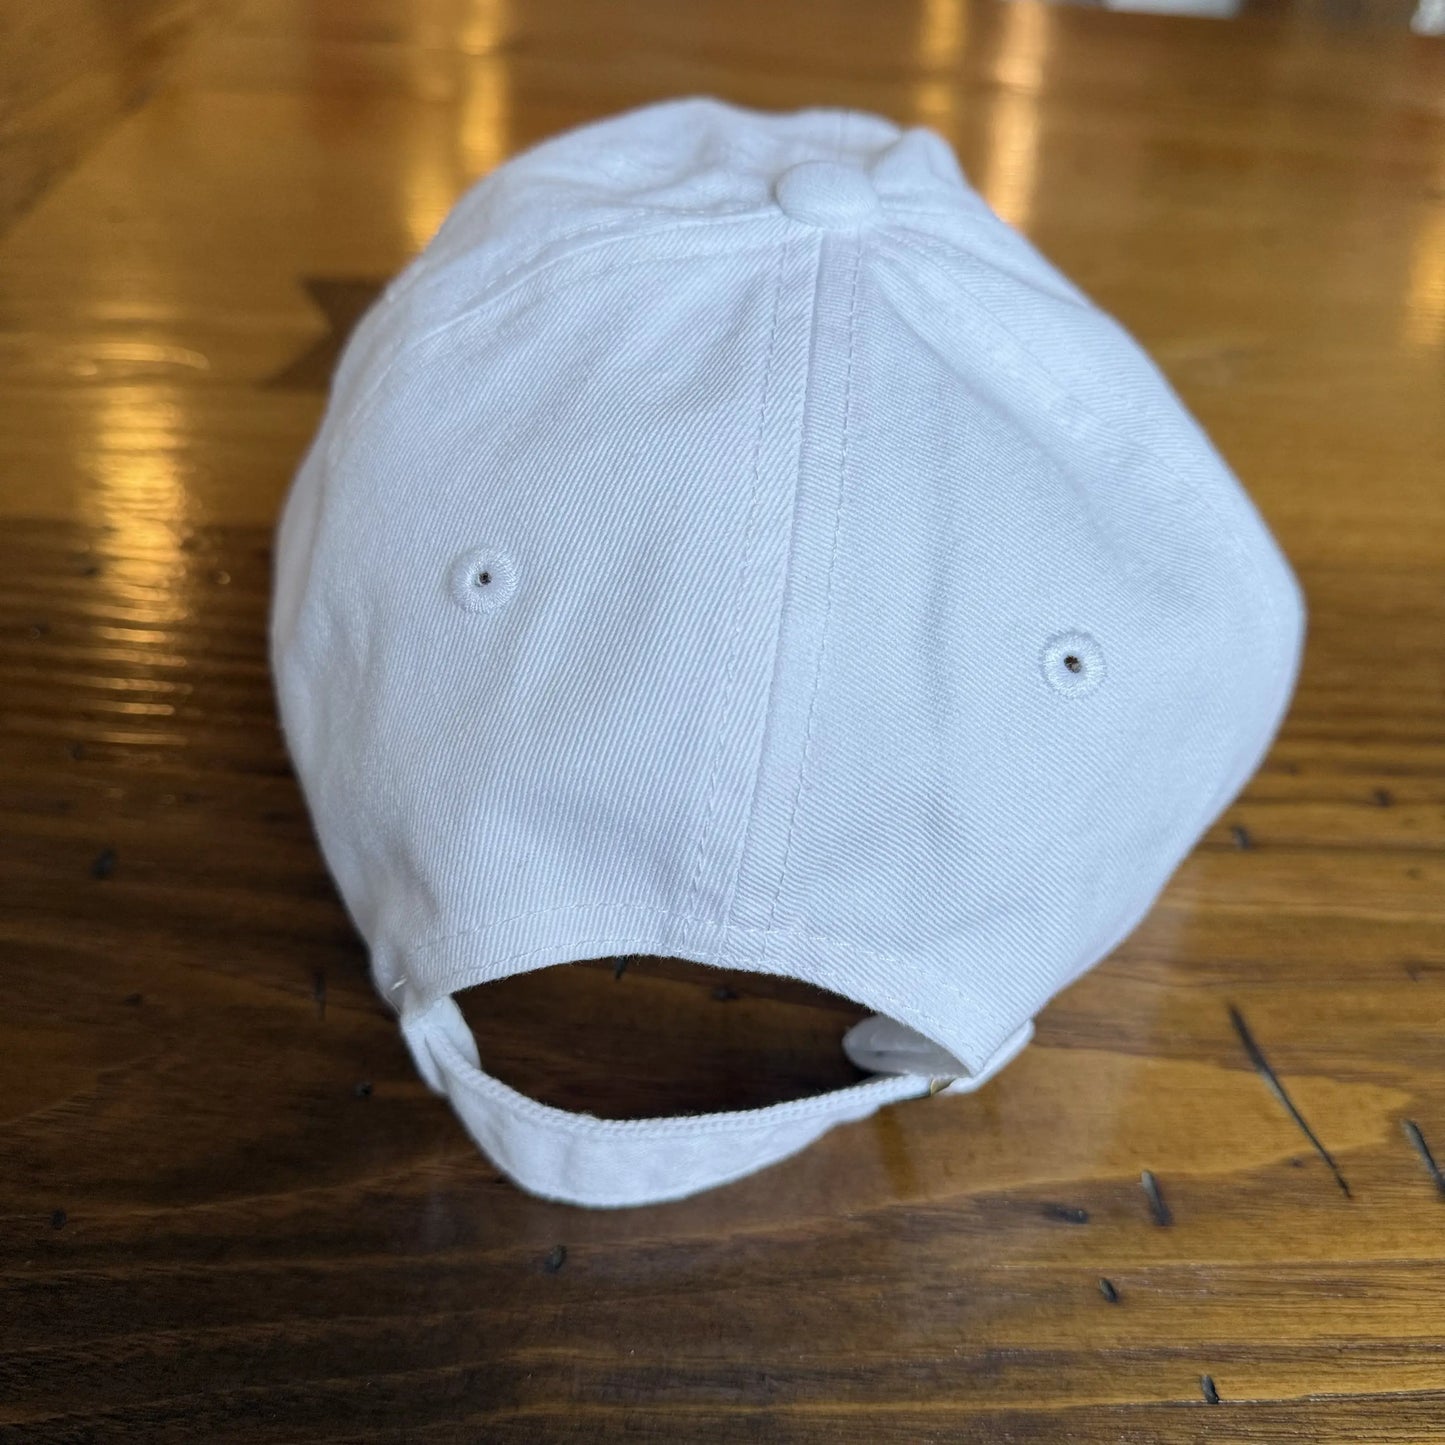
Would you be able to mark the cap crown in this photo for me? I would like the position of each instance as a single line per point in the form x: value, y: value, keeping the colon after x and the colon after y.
x: 730, y: 540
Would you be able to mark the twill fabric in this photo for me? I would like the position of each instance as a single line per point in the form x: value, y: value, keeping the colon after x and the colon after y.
x: 730, y: 541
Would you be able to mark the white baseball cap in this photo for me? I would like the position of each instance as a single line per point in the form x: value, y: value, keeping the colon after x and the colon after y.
x: 730, y: 541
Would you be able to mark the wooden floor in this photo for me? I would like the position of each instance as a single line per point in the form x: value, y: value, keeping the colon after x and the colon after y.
x: 230, y: 1212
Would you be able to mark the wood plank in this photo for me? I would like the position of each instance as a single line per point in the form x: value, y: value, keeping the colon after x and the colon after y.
x: 68, y: 69
x: 233, y: 1213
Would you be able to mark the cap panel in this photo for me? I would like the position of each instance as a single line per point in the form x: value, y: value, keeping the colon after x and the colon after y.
x: 959, y: 800
x: 682, y: 164
x: 1083, y: 389
x: 465, y: 765
x: 673, y: 175
x: 927, y: 197
x: 1099, y: 379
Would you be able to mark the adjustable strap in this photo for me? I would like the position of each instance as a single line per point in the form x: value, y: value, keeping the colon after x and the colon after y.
x: 608, y: 1163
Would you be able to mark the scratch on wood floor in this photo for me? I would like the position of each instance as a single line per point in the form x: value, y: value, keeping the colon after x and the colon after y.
x: 1267, y: 1073
x: 1413, y: 1134
x: 1206, y: 1386
x: 1109, y: 1291
x: 1162, y: 1213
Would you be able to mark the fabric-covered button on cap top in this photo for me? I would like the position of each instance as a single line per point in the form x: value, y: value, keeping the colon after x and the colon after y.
x: 826, y: 194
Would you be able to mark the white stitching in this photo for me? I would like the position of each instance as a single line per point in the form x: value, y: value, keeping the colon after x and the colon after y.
x: 749, y: 542
x: 497, y: 287
x: 777, y: 640
x: 730, y: 1122
x: 828, y: 598
x: 621, y: 939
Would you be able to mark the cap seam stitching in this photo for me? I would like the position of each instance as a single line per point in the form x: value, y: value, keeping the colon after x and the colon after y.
x: 418, y: 278
x: 497, y: 289
x: 621, y: 936
x: 744, y: 570
x: 789, y: 559
x: 929, y: 243
x: 828, y: 600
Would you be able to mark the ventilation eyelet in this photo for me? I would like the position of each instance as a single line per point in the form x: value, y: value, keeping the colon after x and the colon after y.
x: 1072, y: 663
x: 483, y: 580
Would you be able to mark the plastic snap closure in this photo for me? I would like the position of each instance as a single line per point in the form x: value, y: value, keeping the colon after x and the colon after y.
x: 826, y: 194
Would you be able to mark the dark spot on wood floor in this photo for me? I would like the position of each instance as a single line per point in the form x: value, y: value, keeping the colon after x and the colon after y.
x: 58, y: 1218
x: 556, y: 1258
x: 620, y: 966
x: 1067, y: 1213
x: 723, y: 994
x: 1267, y: 1073
x: 1383, y: 797
x: 318, y: 991
x: 103, y: 864
x: 77, y: 751
x: 133, y: 1000
x: 1241, y: 837
x: 341, y: 300
x: 1416, y: 1137
x: 1107, y: 1289
x: 1157, y: 1207
x: 363, y: 1089
x: 1206, y: 1386
x: 39, y: 629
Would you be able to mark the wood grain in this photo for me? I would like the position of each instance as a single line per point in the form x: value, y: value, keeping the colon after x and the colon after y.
x: 69, y: 68
x: 230, y: 1212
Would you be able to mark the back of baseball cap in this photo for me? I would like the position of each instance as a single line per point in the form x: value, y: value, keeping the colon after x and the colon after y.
x: 730, y: 541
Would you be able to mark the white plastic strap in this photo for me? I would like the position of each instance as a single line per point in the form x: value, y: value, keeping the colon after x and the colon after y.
x: 608, y: 1163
